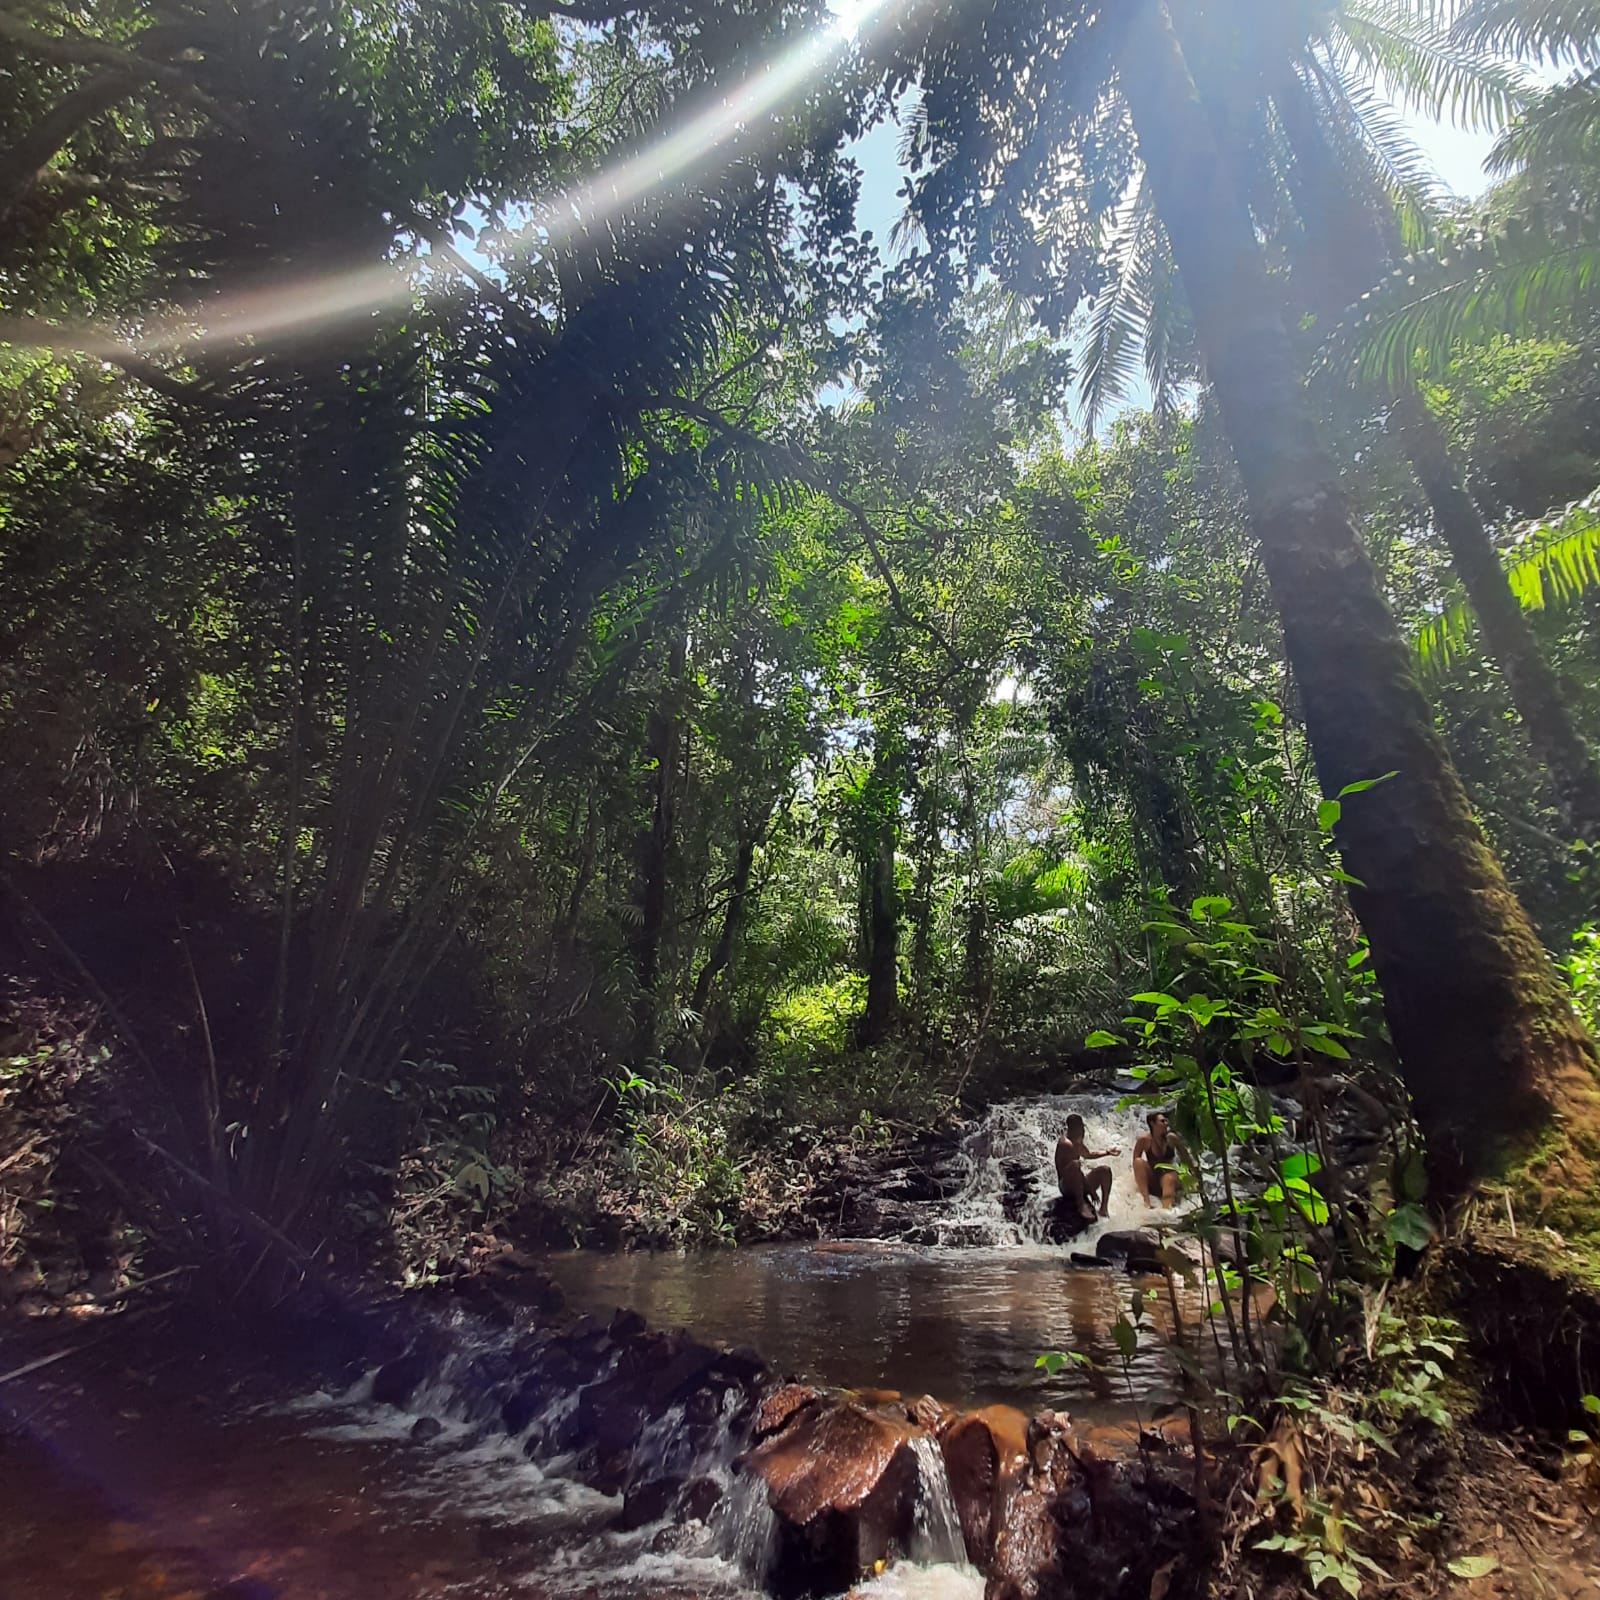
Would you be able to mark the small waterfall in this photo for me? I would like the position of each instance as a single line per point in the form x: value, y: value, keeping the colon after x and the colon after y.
x: 747, y: 1528
x: 1008, y: 1163
x: 936, y: 1533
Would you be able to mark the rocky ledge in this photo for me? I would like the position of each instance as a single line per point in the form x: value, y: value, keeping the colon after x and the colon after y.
x: 811, y: 1488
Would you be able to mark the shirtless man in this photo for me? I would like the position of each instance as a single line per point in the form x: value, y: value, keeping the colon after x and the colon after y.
x: 1155, y: 1161
x: 1076, y: 1185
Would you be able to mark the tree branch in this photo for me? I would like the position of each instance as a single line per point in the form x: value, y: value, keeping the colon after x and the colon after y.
x: 73, y: 49
x: 805, y: 471
x: 22, y: 165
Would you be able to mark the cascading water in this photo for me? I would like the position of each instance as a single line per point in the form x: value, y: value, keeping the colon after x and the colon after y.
x: 936, y: 1534
x: 1008, y: 1172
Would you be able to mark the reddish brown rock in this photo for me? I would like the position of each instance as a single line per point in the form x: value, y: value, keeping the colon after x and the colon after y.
x: 984, y: 1451
x: 842, y: 1482
x: 776, y: 1410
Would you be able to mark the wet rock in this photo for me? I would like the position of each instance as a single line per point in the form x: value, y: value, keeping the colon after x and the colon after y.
x: 742, y: 1366
x: 842, y: 1482
x: 527, y: 1403
x: 686, y: 1361
x: 611, y: 1472
x: 983, y: 1453
x: 1078, y: 1527
x: 396, y: 1381
x: 1020, y: 1187
x: 626, y: 1325
x: 877, y: 1397
x: 775, y: 1411
x: 700, y: 1499
x: 1065, y: 1221
x: 649, y: 1502
x: 1048, y: 1433
x: 1136, y: 1248
x: 426, y: 1428
x: 508, y: 1284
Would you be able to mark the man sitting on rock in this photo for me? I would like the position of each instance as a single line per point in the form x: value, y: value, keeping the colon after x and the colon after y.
x: 1077, y: 1186
x: 1155, y: 1162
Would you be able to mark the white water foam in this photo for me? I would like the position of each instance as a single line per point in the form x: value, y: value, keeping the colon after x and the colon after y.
x: 911, y: 1580
x: 1022, y: 1134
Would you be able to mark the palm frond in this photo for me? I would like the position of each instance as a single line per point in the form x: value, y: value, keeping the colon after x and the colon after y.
x: 1559, y: 130
x: 1409, y: 56
x: 1525, y: 282
x: 1114, y: 340
x: 1550, y: 31
x: 1397, y: 163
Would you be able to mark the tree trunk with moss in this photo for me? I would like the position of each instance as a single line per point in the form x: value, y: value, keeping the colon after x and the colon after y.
x: 1490, y: 1049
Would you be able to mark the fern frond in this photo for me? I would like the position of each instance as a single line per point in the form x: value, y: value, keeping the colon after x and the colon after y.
x: 1561, y: 558
x: 1554, y: 562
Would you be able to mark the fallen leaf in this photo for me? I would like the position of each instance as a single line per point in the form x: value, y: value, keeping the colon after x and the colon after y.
x: 1161, y: 1580
x: 1474, y: 1566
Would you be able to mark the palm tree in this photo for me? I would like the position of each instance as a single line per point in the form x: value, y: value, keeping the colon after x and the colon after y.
x: 1490, y: 1048
x: 1344, y: 187
x: 1532, y: 265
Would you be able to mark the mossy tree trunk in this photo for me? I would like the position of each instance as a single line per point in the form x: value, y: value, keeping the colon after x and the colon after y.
x: 1490, y: 1048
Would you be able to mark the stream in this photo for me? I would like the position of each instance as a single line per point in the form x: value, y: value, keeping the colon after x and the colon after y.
x: 330, y: 1496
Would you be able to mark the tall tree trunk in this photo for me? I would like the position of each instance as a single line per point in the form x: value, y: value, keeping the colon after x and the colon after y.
x: 1346, y: 253
x: 721, y: 957
x: 876, y: 834
x: 663, y: 740
x: 883, y: 946
x: 1490, y: 1048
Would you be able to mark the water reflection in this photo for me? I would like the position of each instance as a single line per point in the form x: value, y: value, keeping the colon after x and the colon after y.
x: 965, y: 1326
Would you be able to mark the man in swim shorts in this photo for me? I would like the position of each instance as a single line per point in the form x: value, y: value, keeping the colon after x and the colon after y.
x: 1076, y: 1185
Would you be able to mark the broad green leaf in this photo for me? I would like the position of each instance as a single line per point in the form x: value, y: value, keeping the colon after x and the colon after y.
x: 1302, y: 1164
x: 1328, y: 814
x: 1474, y: 1566
x: 1101, y: 1040
x: 1409, y: 1225
x: 1366, y: 783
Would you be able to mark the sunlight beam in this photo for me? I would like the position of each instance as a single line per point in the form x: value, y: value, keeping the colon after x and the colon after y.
x: 320, y: 299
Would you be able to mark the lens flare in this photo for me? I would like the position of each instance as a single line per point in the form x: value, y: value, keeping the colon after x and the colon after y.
x: 314, y: 301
